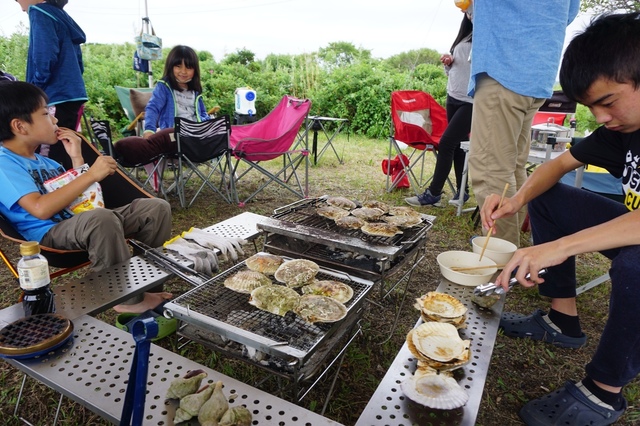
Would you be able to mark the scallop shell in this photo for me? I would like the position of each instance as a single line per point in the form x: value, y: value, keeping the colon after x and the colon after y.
x: 403, y: 211
x: 342, y: 202
x: 463, y: 359
x: 276, y: 299
x: 314, y: 308
x: 297, y: 272
x: 335, y: 289
x: 435, y: 304
x: 332, y: 212
x: 403, y: 221
x: 350, y: 222
x: 367, y: 213
x: 246, y: 281
x: 376, y: 205
x: 438, y: 391
x: 264, y: 262
x: 458, y: 322
x: 378, y: 229
x: 439, y: 348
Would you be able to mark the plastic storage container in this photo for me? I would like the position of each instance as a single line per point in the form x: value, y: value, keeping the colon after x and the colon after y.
x: 245, y: 101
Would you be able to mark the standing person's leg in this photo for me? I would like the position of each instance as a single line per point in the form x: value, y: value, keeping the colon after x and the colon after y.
x: 100, y: 232
x: 461, y: 125
x: 67, y: 114
x: 496, y: 125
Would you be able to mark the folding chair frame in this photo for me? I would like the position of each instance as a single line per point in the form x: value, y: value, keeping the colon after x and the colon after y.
x: 216, y: 128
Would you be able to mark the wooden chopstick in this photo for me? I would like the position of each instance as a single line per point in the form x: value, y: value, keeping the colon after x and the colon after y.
x: 486, y: 241
x: 473, y: 268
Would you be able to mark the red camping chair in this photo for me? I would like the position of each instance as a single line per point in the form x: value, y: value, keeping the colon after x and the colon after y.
x: 417, y: 121
x: 269, y: 138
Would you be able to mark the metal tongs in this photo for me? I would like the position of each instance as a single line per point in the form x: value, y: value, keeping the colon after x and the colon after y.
x: 490, y: 288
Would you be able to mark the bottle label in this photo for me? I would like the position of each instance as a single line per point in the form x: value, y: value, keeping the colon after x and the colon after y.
x: 34, y: 277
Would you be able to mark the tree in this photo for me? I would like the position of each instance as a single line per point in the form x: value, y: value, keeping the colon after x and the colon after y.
x: 341, y: 53
x: 241, y: 56
x: 599, y: 6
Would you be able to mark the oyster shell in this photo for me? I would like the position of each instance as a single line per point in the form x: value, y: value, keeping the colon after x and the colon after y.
x: 440, y: 305
x: 367, y: 213
x: 439, y: 391
x: 350, y: 222
x: 314, y: 308
x: 264, y: 262
x: 341, y: 202
x: 335, y: 289
x: 332, y: 212
x: 276, y: 299
x: 403, y: 221
x: 297, y: 272
x: 246, y: 281
x: 376, y: 205
x: 379, y: 229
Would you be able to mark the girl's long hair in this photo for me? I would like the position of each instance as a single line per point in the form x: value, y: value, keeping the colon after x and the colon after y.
x: 466, y: 29
x: 177, y: 56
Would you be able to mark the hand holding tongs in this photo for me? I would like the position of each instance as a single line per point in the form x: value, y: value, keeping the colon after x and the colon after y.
x: 490, y: 288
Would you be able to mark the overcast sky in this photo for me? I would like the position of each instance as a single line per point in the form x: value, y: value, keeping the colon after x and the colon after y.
x: 266, y: 26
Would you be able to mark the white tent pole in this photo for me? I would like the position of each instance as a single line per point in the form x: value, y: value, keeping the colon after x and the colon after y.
x: 145, y: 24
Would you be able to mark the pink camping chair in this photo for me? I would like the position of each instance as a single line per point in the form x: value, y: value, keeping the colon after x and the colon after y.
x: 418, y: 122
x: 269, y: 138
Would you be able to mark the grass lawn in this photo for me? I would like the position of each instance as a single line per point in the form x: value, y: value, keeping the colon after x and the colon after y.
x: 520, y: 369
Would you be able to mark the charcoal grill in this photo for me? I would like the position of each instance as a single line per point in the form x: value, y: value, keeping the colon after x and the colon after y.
x: 296, y: 230
x: 286, y: 346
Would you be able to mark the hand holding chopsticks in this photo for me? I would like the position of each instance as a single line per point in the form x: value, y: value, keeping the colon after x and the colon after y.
x: 486, y: 241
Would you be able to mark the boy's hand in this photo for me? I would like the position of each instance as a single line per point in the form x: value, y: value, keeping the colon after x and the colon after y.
x: 71, y: 141
x: 103, y: 166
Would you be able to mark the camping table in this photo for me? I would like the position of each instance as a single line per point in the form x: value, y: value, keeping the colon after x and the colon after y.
x: 317, y: 123
x: 388, y: 405
x: 93, y: 370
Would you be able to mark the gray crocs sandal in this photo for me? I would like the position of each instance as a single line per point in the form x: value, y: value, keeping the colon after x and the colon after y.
x: 538, y: 327
x: 569, y: 405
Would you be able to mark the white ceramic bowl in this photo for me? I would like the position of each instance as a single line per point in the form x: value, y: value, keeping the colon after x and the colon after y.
x: 498, y: 250
x: 449, y: 259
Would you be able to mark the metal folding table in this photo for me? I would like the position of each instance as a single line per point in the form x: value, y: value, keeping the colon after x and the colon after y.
x: 330, y: 128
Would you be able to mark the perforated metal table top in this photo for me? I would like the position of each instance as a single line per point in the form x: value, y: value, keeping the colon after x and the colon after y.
x: 98, y: 291
x: 240, y: 226
x: 389, y: 407
x: 93, y: 370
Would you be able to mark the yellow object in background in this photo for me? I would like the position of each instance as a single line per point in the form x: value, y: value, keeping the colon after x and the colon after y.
x: 462, y: 4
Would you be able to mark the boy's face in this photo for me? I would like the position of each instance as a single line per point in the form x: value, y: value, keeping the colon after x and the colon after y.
x: 43, y: 127
x: 616, y: 105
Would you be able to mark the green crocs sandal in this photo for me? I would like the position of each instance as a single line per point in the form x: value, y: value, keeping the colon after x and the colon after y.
x: 166, y: 326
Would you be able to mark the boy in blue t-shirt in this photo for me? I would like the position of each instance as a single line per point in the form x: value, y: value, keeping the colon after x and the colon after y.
x: 25, y: 124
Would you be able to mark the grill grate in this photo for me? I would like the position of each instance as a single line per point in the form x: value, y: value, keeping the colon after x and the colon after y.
x: 229, y: 313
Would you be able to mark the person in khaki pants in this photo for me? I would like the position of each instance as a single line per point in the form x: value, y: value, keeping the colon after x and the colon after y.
x: 514, y: 62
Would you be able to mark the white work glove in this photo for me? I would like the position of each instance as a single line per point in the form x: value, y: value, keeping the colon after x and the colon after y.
x: 204, y: 260
x: 227, y: 246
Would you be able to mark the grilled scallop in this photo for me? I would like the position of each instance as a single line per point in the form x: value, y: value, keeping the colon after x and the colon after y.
x: 379, y: 229
x: 314, y: 308
x: 403, y: 211
x: 276, y: 299
x: 341, y: 202
x: 367, y: 213
x: 376, y: 205
x: 297, y: 272
x: 332, y: 212
x: 403, y: 221
x: 335, y: 289
x: 350, y: 222
x: 264, y: 262
x: 439, y: 391
x: 246, y: 281
x: 442, y: 305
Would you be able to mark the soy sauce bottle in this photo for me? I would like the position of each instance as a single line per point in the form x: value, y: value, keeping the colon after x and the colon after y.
x: 33, y: 273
